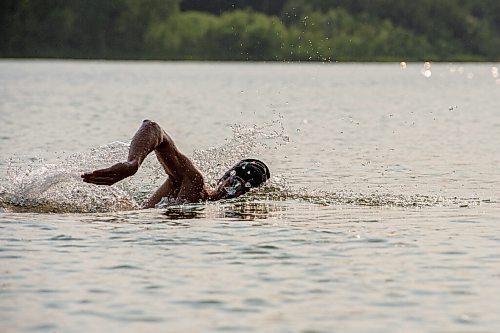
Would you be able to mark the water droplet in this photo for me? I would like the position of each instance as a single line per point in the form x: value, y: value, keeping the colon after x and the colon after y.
x: 494, y: 72
x: 426, y: 69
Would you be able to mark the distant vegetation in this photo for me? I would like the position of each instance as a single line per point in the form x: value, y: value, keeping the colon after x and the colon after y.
x: 280, y: 30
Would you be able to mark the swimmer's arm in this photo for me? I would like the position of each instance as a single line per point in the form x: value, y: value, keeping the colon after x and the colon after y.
x: 167, y: 189
x: 149, y: 137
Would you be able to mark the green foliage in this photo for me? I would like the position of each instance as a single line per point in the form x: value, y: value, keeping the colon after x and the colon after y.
x: 246, y: 35
x: 236, y: 35
x: 80, y: 29
x: 184, y: 36
x: 317, y: 30
x: 446, y: 29
x: 337, y: 35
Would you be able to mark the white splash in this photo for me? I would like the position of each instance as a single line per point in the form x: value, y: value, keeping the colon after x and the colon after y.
x: 245, y: 142
x: 58, y: 188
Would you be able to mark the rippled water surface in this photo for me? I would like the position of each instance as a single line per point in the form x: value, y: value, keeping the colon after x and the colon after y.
x: 382, y: 214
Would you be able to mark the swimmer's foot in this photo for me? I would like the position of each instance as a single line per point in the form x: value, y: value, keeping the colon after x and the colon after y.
x: 111, y: 175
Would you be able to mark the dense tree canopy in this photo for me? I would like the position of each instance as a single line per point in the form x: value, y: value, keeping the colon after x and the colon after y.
x: 283, y: 30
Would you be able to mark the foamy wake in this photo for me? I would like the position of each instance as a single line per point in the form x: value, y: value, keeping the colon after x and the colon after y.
x: 57, y: 187
x: 346, y: 197
x: 53, y: 189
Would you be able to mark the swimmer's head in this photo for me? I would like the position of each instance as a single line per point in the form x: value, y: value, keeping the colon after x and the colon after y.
x: 243, y: 176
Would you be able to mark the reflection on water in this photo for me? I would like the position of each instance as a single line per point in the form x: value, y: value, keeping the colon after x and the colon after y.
x: 250, y: 210
x: 184, y: 212
x: 237, y: 210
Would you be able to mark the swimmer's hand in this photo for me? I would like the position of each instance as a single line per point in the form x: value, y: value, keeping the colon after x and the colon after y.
x: 111, y: 175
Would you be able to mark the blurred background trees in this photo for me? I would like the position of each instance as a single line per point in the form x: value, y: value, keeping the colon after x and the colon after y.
x: 282, y: 30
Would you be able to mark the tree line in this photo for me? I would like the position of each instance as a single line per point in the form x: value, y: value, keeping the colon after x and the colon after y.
x: 268, y: 30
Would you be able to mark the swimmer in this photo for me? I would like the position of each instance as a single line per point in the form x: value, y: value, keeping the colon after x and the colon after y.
x: 184, y: 182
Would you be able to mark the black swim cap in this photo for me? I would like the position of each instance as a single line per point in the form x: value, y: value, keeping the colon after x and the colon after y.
x: 252, y: 171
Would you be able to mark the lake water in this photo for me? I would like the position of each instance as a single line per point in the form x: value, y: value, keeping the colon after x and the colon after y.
x: 382, y: 214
